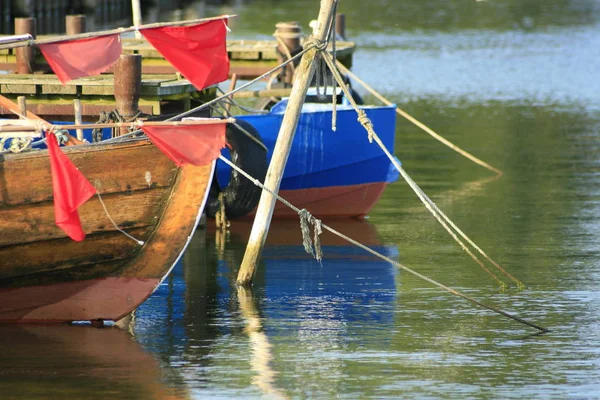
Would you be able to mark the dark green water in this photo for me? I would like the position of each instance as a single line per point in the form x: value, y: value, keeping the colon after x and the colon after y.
x: 514, y: 82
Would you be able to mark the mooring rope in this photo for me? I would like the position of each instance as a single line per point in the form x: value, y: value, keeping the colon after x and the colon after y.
x: 418, y: 123
x: 98, y: 186
x: 225, y: 113
x: 437, y: 213
x: 307, y: 48
x: 385, y: 258
x: 311, y: 246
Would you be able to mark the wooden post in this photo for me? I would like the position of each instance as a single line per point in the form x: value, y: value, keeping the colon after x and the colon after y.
x: 231, y: 88
x: 78, y: 118
x: 128, y: 85
x: 264, y: 213
x: 340, y: 26
x: 75, y: 24
x: 22, y: 107
x: 137, y: 16
x: 290, y: 34
x: 25, y: 55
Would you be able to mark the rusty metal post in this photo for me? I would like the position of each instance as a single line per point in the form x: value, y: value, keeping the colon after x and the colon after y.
x: 340, y: 26
x: 128, y: 85
x: 75, y: 24
x: 288, y: 35
x: 25, y: 55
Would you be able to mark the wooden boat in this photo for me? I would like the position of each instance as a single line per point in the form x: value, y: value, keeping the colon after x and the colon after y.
x: 47, y: 277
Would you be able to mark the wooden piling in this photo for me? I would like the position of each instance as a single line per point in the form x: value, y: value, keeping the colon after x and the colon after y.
x: 22, y: 106
x: 78, y: 118
x: 25, y: 55
x: 128, y: 85
x: 340, y: 26
x: 288, y: 35
x: 75, y: 24
x: 264, y: 213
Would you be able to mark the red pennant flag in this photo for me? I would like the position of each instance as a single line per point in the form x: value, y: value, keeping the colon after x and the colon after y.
x: 199, y: 52
x: 193, y: 144
x: 83, y: 57
x: 70, y: 189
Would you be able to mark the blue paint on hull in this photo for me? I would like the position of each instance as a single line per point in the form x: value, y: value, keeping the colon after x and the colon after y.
x: 321, y: 157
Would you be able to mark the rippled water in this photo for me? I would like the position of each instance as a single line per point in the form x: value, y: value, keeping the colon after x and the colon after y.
x: 514, y: 82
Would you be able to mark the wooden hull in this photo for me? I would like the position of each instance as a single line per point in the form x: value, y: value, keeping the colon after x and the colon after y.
x: 47, y: 277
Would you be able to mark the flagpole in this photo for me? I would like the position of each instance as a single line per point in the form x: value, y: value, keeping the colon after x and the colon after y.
x: 139, y: 124
x: 89, y: 35
x: 266, y: 206
x: 137, y: 16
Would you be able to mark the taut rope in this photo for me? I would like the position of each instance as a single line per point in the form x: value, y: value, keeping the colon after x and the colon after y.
x: 375, y: 253
x: 415, y: 121
x: 437, y: 213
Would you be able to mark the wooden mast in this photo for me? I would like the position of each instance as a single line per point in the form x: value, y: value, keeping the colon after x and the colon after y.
x: 264, y: 213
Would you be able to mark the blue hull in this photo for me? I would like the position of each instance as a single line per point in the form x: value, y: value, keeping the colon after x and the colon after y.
x: 321, y: 157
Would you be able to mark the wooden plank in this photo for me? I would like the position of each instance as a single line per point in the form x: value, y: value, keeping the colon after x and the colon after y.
x: 117, y: 172
x: 32, y: 223
x: 42, y: 257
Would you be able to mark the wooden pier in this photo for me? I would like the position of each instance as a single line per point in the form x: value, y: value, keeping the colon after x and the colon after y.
x: 163, y: 90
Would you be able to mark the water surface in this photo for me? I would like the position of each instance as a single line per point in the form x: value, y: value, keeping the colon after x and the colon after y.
x: 514, y: 82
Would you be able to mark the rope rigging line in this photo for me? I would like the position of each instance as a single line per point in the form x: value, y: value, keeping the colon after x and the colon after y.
x: 416, y: 122
x: 305, y: 214
x: 307, y: 48
x: 224, y: 113
x: 437, y: 213
x: 98, y: 186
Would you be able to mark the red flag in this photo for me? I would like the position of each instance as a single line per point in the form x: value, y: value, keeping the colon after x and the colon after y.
x: 82, y: 57
x: 70, y: 189
x: 199, y: 52
x: 192, y: 144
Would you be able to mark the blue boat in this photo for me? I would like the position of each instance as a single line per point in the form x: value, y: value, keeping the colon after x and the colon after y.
x: 330, y: 173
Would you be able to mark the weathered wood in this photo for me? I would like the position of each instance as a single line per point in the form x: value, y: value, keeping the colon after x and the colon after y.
x: 25, y: 56
x: 248, y: 58
x: 42, y: 257
x: 75, y: 24
x: 21, y: 186
x: 281, y: 151
x: 107, y: 275
x: 32, y: 223
x: 78, y: 116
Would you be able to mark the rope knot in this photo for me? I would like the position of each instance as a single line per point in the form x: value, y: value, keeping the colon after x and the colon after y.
x: 366, y: 122
x: 312, y: 41
x: 306, y: 219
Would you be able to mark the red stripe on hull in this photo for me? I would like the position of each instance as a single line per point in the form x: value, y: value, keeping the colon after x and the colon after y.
x: 332, y: 202
x: 97, y: 299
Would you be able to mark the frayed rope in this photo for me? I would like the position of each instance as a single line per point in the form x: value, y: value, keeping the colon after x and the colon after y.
x: 312, y: 246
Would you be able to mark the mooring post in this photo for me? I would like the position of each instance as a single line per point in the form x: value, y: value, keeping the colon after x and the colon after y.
x: 22, y: 107
x: 25, y: 55
x: 340, y: 26
x: 288, y: 35
x: 264, y: 213
x: 128, y: 85
x: 75, y: 24
x: 78, y: 117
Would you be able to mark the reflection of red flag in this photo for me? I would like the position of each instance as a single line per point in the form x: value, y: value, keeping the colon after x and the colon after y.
x: 82, y: 57
x: 193, y: 144
x: 199, y: 52
x: 70, y: 189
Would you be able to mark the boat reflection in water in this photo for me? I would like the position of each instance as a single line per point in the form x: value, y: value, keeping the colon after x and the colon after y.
x: 78, y: 362
x: 223, y: 339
